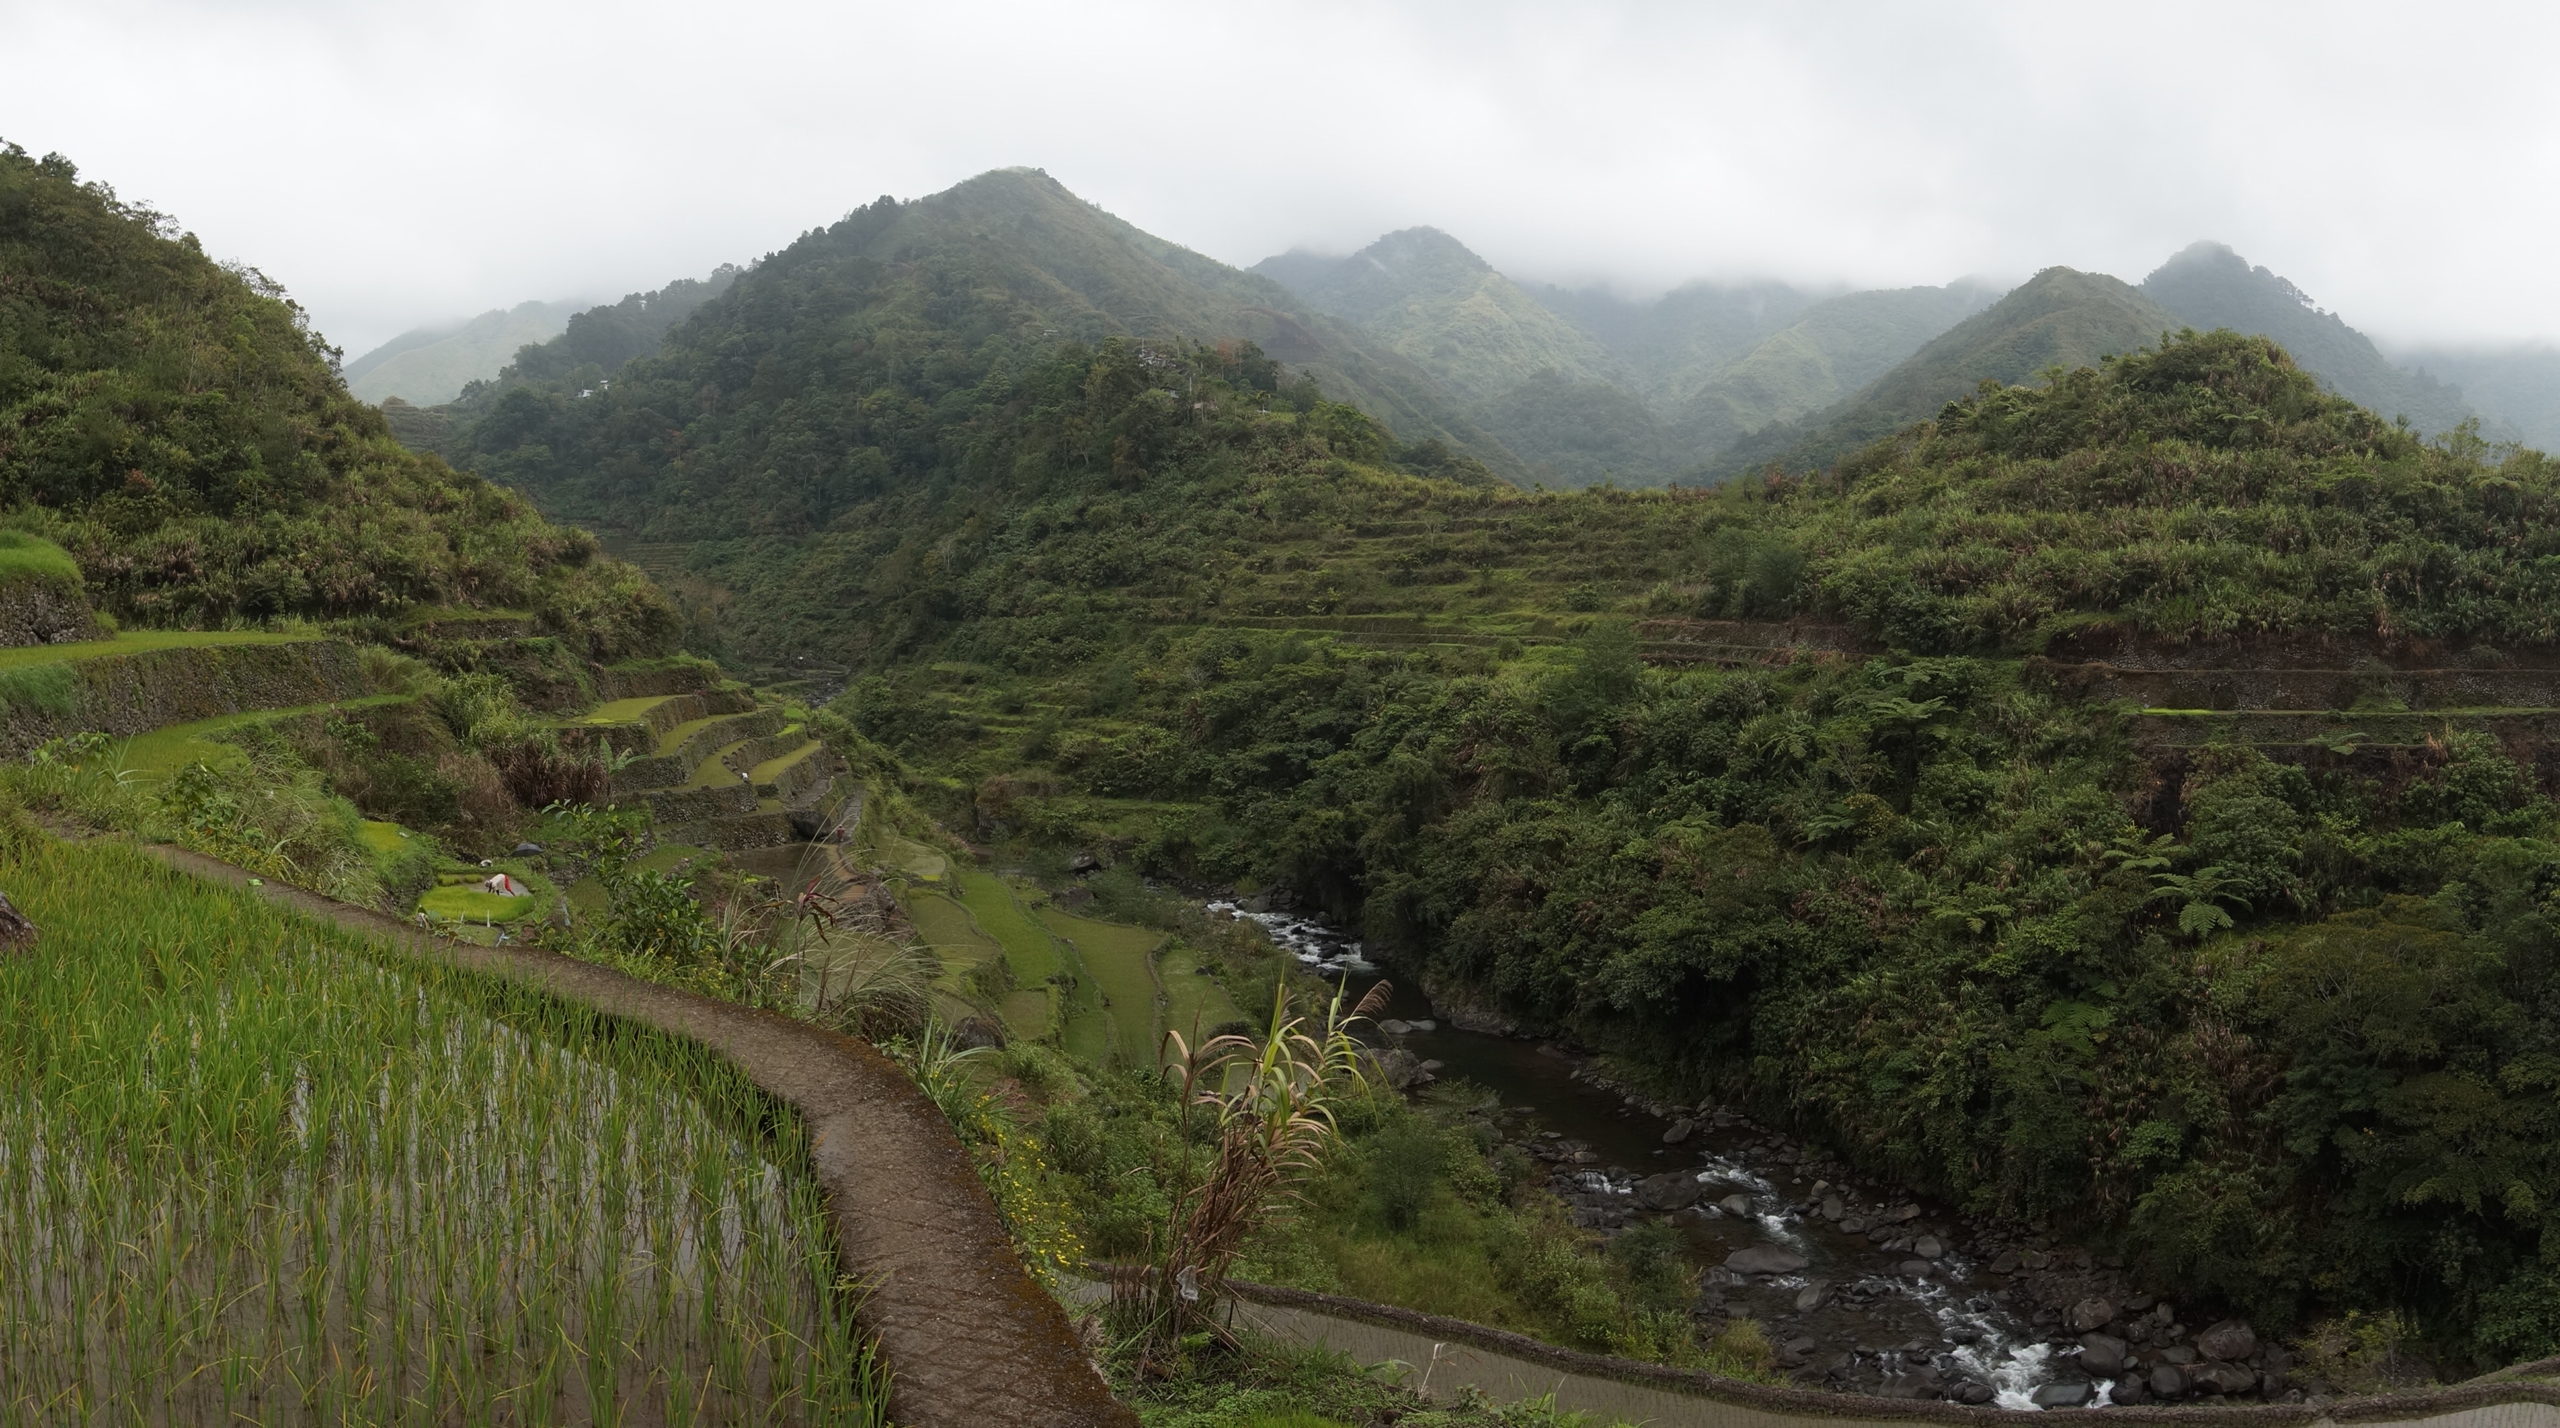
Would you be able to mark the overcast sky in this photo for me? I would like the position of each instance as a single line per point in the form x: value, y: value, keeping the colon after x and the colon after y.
x: 402, y: 164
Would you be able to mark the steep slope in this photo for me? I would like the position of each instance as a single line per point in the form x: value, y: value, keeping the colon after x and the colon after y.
x: 2517, y: 387
x: 597, y: 342
x: 1836, y: 348
x: 2207, y: 286
x: 431, y: 365
x: 1547, y: 390
x: 1427, y: 296
x: 177, y: 428
x: 2059, y: 318
x: 1012, y: 257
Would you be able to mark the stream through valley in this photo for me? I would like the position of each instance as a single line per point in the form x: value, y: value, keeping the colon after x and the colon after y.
x: 1857, y: 1286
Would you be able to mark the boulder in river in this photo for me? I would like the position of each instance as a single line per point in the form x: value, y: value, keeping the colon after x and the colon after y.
x: 2060, y: 1395
x: 1671, y: 1190
x: 1900, y: 1214
x: 1832, y: 1209
x: 1680, y: 1130
x: 1738, y: 1206
x: 2223, y: 1378
x: 1765, y: 1259
x: 2091, y: 1314
x: 2230, y: 1341
x: 1811, y: 1296
x: 1929, y: 1247
x: 2102, y: 1354
x: 2169, y: 1381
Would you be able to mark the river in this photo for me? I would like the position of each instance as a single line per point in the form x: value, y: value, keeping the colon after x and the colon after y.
x: 1869, y: 1290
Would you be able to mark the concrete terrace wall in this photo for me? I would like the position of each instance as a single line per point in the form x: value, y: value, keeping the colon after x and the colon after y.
x: 1508, y: 1367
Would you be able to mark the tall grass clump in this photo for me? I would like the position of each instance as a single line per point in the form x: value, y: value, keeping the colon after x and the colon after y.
x: 253, y: 1171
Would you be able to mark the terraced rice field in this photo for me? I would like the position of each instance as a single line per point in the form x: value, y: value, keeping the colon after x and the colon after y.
x: 254, y: 1169
x: 1195, y: 1004
x: 168, y: 749
x: 1118, y: 961
x: 138, y: 641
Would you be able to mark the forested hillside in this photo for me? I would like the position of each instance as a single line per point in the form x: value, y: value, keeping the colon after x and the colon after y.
x: 2207, y: 285
x: 1585, y: 386
x: 2059, y: 318
x: 2268, y: 1010
x: 176, y: 426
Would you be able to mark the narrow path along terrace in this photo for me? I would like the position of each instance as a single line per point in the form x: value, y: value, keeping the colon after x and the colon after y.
x: 970, y: 1340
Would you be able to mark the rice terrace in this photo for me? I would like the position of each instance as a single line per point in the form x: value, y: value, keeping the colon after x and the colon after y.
x: 954, y: 814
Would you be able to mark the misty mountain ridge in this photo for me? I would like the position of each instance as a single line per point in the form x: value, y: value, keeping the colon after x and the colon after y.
x: 431, y: 365
x: 1575, y: 386
x: 2059, y: 318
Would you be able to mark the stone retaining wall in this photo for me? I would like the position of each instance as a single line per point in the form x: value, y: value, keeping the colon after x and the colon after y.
x: 128, y: 694
x: 2305, y: 689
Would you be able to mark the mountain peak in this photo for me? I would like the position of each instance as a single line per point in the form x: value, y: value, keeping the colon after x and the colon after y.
x: 1423, y: 246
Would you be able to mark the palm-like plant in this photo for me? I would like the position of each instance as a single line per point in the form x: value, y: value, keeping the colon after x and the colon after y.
x: 1268, y: 1103
x: 2199, y: 896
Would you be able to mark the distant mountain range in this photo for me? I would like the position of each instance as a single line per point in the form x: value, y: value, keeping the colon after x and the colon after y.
x: 1541, y: 383
x: 426, y: 366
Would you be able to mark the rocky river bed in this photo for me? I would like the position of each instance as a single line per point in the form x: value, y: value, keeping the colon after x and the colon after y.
x: 1860, y: 1287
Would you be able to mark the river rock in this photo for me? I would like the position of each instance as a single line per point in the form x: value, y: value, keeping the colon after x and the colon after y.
x: 1900, y: 1215
x: 1765, y: 1259
x: 2006, y: 1263
x: 2169, y: 1381
x: 2060, y: 1395
x: 1738, y: 1206
x: 2091, y: 1314
x: 1853, y: 1225
x: 1976, y: 1394
x: 1671, y: 1190
x: 2179, y: 1354
x: 2035, y: 1261
x: 1680, y: 1130
x: 1915, y: 1269
x: 2102, y: 1354
x: 2230, y: 1341
x: 1929, y: 1247
x: 1393, y: 1027
x: 2223, y: 1378
x: 2131, y: 1392
x: 1832, y: 1209
x: 1811, y: 1296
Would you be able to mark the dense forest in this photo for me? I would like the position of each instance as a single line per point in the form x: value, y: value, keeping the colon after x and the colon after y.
x: 2274, y: 1017
x: 177, y: 427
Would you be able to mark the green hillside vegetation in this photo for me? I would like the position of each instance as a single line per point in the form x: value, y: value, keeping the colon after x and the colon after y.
x: 2207, y: 285
x: 1429, y: 298
x: 600, y: 341
x: 926, y: 297
x: 1833, y: 351
x: 428, y: 366
x: 2059, y: 318
x: 1979, y: 934
x: 176, y: 427
x: 1589, y: 386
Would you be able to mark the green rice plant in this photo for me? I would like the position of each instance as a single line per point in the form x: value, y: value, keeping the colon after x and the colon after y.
x: 49, y: 690
x: 254, y: 1168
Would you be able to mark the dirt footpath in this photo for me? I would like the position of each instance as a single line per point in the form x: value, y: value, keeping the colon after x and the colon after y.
x: 970, y: 1340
